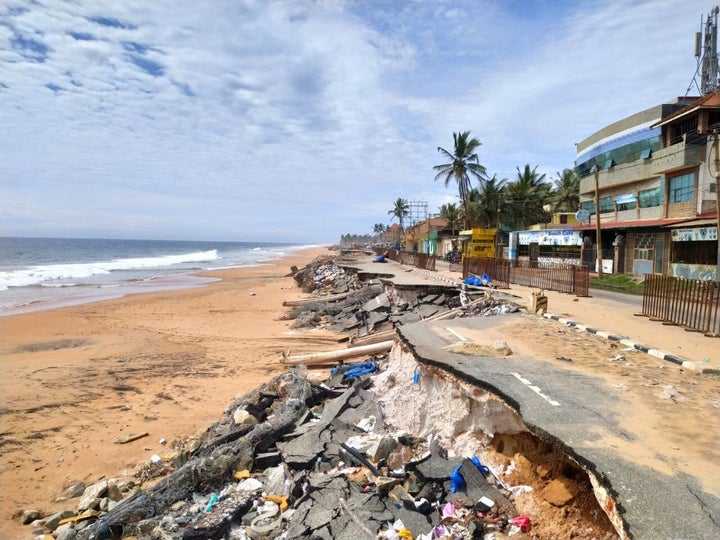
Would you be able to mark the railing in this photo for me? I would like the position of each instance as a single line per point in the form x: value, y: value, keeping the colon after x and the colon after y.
x: 568, y: 278
x: 424, y: 261
x: 691, y: 303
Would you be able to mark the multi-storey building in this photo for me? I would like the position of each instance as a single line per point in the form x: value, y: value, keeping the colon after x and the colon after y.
x: 652, y: 174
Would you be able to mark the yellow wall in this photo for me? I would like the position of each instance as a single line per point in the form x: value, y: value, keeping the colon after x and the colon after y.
x: 481, y: 243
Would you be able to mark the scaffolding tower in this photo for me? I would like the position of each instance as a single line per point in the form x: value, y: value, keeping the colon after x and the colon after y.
x: 418, y: 211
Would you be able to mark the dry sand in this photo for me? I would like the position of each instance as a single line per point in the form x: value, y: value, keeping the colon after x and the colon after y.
x: 72, y: 380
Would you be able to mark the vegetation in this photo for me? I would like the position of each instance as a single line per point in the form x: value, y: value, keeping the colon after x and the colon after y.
x: 463, y: 163
x: 619, y: 283
x: 400, y: 210
x: 566, y: 193
x: 449, y: 212
x: 525, y: 199
x: 349, y: 239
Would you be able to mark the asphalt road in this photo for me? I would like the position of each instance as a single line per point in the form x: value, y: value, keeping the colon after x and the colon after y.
x: 575, y: 411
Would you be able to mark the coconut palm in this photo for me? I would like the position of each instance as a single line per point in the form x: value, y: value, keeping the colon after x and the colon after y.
x: 463, y: 163
x: 525, y: 198
x: 400, y: 210
x: 485, y: 206
x: 378, y: 229
x: 449, y: 212
x: 566, y: 193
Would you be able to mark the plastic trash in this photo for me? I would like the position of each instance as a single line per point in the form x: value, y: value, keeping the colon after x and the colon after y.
x: 521, y: 521
x: 212, y: 502
x: 448, y: 510
x: 457, y: 482
x: 482, y: 468
x: 352, y: 371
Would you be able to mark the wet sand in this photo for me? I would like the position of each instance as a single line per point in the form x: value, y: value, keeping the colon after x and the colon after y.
x: 74, y: 379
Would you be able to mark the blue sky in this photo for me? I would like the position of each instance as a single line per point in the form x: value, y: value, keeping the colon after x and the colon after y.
x: 301, y: 121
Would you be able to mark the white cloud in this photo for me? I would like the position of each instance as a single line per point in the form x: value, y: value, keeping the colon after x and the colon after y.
x: 299, y: 121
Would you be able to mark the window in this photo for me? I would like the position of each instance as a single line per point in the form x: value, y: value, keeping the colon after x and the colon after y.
x: 606, y: 205
x: 646, y: 154
x: 682, y: 188
x: 626, y: 201
x: 589, y: 206
x: 650, y: 198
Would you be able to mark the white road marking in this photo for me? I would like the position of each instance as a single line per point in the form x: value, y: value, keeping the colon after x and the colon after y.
x: 535, y: 389
x: 455, y: 333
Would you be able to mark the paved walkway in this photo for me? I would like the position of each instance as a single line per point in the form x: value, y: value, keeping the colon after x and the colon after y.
x: 616, y: 315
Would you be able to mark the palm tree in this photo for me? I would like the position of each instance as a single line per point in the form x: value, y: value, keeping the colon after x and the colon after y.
x: 566, y: 194
x: 463, y: 161
x: 449, y: 212
x: 400, y: 210
x: 485, y: 206
x: 525, y: 198
x: 378, y: 229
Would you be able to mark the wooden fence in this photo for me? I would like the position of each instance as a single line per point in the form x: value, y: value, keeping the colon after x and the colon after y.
x: 691, y: 303
x: 566, y: 278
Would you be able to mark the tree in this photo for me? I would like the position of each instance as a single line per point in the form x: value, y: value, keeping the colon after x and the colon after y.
x: 463, y: 163
x: 449, y: 212
x: 566, y: 194
x: 378, y: 229
x: 525, y: 198
x: 400, y: 210
x: 485, y: 206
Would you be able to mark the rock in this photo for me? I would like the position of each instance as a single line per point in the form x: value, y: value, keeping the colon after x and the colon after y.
x: 242, y: 417
x: 91, y: 496
x: 76, y: 490
x: 28, y: 516
x: 65, y: 532
x: 557, y: 493
x: 381, y: 449
x: 53, y: 521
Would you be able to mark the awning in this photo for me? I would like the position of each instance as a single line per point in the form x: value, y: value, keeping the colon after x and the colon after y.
x: 695, y: 223
x: 631, y: 224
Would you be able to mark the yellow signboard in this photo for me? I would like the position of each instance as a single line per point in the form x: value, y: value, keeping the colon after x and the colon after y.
x: 478, y: 243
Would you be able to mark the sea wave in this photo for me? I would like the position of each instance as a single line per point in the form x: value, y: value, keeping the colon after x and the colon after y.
x: 45, y: 274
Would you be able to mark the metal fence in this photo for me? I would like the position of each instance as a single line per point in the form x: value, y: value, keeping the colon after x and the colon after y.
x: 423, y: 261
x: 568, y: 278
x: 691, y: 303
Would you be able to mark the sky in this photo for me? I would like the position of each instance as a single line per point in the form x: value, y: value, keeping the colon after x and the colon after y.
x: 299, y: 121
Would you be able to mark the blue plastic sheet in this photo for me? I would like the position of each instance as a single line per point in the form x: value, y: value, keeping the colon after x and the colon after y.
x: 352, y: 371
x: 482, y: 281
x: 482, y: 468
x: 457, y: 482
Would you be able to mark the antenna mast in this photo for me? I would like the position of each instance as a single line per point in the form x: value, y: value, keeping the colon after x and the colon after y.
x: 710, y: 75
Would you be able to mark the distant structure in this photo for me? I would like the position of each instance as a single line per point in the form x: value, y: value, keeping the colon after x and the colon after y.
x: 418, y: 212
x: 707, y: 54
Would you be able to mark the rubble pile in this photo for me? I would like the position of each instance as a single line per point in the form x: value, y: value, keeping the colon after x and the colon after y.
x: 282, y: 463
x: 372, y: 306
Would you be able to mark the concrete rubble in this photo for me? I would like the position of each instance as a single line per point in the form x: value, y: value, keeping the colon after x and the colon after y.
x: 301, y: 459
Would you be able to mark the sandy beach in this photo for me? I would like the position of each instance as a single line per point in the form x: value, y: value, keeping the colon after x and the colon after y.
x: 74, y: 379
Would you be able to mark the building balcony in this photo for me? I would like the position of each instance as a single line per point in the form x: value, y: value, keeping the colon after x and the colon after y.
x: 676, y: 157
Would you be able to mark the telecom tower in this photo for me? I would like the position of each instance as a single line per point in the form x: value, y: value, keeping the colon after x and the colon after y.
x: 710, y: 74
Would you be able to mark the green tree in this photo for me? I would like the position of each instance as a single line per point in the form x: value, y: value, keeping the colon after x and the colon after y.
x: 400, y: 210
x: 566, y: 192
x: 486, y: 206
x: 525, y: 199
x: 463, y: 163
x: 450, y: 213
x: 379, y: 229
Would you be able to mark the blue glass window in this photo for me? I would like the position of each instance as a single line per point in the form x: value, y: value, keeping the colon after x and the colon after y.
x: 682, y: 187
x: 650, y: 197
x: 606, y: 205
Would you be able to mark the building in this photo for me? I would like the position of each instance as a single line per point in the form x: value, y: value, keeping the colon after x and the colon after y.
x: 651, y: 174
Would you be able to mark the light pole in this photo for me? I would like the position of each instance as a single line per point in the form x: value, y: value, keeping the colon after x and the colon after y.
x: 598, y: 244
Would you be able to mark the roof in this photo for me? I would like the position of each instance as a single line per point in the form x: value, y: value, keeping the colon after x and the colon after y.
x: 695, y: 223
x: 708, y: 101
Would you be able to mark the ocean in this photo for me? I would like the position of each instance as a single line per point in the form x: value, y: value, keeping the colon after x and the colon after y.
x: 45, y: 273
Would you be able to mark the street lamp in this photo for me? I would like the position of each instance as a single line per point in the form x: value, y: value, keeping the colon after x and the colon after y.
x: 598, y: 249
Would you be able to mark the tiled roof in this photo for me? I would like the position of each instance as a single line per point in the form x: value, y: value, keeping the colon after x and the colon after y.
x: 708, y: 101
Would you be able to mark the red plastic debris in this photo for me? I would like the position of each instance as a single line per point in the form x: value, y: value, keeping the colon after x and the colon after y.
x: 521, y: 521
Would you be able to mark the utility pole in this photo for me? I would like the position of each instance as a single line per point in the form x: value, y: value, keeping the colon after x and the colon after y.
x: 716, y: 176
x: 598, y: 243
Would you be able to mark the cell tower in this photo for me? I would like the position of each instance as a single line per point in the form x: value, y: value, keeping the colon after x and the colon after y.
x: 709, y: 74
